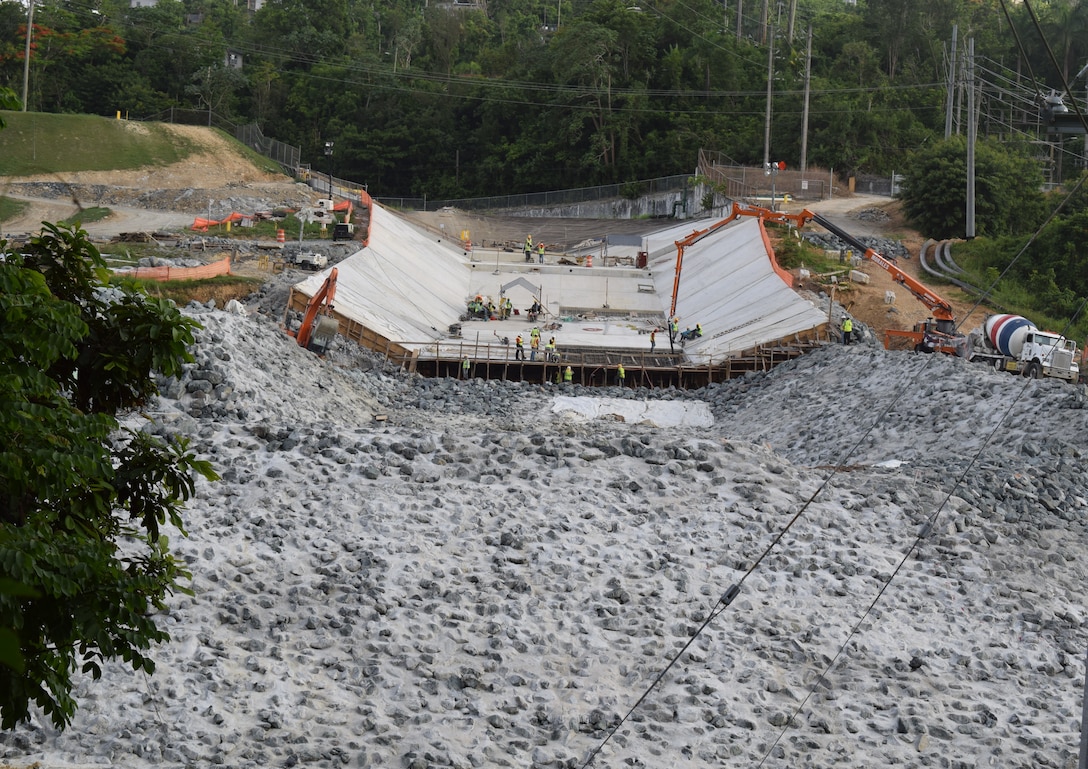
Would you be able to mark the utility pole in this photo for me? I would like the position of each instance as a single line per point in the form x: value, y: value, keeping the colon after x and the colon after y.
x: 26, y: 54
x: 951, y: 85
x: 767, y: 119
x: 328, y: 154
x: 972, y: 133
x: 740, y: 19
x: 1077, y: 77
x: 804, y: 109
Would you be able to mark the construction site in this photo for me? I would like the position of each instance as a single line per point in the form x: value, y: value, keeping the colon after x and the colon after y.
x: 682, y: 305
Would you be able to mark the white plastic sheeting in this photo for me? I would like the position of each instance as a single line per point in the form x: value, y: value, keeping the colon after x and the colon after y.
x: 728, y: 284
x: 410, y: 286
x: 406, y: 285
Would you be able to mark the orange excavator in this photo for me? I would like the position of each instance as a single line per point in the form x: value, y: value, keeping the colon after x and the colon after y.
x: 318, y: 325
x: 936, y: 334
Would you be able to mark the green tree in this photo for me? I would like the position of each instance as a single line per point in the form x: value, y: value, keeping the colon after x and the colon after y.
x: 83, y: 562
x: 214, y: 87
x: 1008, y: 200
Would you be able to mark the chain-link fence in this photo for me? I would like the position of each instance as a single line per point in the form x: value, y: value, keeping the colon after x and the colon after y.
x: 288, y: 156
x: 553, y: 198
x: 727, y: 178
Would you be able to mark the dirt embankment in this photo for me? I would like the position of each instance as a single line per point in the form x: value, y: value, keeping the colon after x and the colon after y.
x: 214, y: 181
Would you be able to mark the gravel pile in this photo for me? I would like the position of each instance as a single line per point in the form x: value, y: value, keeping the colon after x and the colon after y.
x: 883, y: 246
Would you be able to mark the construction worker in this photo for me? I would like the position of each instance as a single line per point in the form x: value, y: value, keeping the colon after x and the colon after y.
x: 519, y: 348
x: 540, y: 251
x: 465, y: 364
x: 653, y: 340
x: 534, y: 345
x: 698, y: 329
x: 674, y: 328
x: 847, y: 328
x: 549, y: 350
x: 621, y: 375
x: 528, y: 248
x: 568, y: 375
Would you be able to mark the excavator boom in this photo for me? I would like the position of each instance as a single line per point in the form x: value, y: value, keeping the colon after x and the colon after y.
x: 320, y: 302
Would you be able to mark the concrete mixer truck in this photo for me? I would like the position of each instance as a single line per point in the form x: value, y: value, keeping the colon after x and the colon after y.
x: 1013, y: 343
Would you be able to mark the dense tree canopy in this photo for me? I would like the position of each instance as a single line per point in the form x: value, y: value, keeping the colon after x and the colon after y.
x: 84, y: 561
x: 1008, y: 197
x: 466, y: 98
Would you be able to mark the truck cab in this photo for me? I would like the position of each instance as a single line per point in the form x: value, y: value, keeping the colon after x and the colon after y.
x: 1048, y: 354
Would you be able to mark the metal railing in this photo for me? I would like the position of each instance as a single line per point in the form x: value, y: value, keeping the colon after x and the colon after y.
x: 740, y: 182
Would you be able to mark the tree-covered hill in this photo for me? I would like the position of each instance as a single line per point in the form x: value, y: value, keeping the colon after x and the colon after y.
x: 454, y: 99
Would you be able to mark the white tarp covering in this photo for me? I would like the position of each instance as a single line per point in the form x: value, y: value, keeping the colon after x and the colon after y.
x: 411, y: 286
x: 406, y: 285
x: 728, y: 285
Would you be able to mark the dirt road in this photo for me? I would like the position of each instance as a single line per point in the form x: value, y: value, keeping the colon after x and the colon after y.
x: 121, y: 218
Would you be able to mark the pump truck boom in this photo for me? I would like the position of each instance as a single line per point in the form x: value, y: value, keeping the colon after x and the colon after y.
x: 934, y: 334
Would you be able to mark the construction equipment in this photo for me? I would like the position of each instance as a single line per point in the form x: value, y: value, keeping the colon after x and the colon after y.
x: 318, y: 326
x: 935, y: 334
x: 307, y: 260
x: 1013, y: 343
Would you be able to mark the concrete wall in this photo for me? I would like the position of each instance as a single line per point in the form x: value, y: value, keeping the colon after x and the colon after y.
x: 679, y: 203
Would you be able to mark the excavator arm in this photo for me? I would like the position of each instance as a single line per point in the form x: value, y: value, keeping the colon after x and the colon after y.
x: 320, y: 303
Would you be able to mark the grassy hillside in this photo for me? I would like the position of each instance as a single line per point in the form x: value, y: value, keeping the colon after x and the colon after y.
x: 40, y: 143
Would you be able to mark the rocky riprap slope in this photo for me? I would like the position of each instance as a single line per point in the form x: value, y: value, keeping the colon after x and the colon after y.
x: 476, y: 581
